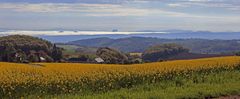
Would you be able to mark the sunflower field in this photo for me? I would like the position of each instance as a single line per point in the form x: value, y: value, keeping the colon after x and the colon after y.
x: 20, y: 80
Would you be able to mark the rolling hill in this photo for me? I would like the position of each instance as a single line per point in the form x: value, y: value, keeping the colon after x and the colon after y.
x: 167, y: 35
x: 26, y: 43
x: 139, y: 44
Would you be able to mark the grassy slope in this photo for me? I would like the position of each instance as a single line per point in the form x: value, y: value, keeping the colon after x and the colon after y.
x: 75, y: 51
x: 68, y: 49
x: 198, y: 86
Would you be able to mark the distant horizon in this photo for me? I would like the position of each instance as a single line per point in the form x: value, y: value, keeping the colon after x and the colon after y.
x: 98, y: 32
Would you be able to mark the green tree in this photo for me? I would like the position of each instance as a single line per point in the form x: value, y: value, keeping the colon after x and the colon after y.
x: 9, y: 53
x: 84, y: 58
x: 57, y: 53
x: 33, y: 58
x: 20, y: 56
x: 237, y: 53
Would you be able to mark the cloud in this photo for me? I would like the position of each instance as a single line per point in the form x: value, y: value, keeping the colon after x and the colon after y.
x: 99, y: 10
x: 128, y: 15
x: 233, y: 5
x: 85, y: 9
x: 64, y: 1
x: 53, y: 7
x: 17, y: 32
x: 177, y: 5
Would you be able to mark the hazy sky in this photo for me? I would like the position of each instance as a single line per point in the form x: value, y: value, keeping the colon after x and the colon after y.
x: 125, y: 15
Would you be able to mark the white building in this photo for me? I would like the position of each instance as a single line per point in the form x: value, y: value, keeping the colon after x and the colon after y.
x: 99, y: 60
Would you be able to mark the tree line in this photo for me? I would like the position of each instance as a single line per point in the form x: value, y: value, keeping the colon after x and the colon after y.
x: 152, y: 54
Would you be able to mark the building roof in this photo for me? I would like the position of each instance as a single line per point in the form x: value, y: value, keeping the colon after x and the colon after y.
x: 99, y: 60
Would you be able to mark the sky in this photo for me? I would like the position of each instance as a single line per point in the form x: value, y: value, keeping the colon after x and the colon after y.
x: 124, y: 15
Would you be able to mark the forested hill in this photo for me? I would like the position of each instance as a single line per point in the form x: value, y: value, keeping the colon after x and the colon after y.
x: 22, y: 48
x: 139, y: 44
x: 26, y: 42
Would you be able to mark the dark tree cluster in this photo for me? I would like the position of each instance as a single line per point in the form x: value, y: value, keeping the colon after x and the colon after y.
x: 163, y: 52
x: 112, y: 56
x: 237, y: 53
x: 22, y: 48
x: 83, y: 58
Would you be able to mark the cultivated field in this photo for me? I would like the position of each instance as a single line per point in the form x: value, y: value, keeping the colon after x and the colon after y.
x: 53, y: 79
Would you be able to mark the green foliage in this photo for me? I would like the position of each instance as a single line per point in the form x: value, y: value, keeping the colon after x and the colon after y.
x: 26, y: 43
x: 22, y: 48
x: 57, y: 53
x: 237, y: 53
x: 162, y: 52
x: 33, y: 57
x: 134, y: 58
x: 20, y: 56
x: 83, y: 58
x: 112, y: 56
x: 8, y: 52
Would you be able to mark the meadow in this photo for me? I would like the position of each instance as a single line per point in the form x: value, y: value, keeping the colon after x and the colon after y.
x: 149, y: 80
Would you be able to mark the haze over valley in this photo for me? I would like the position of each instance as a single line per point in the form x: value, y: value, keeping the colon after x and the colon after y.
x: 62, y: 36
